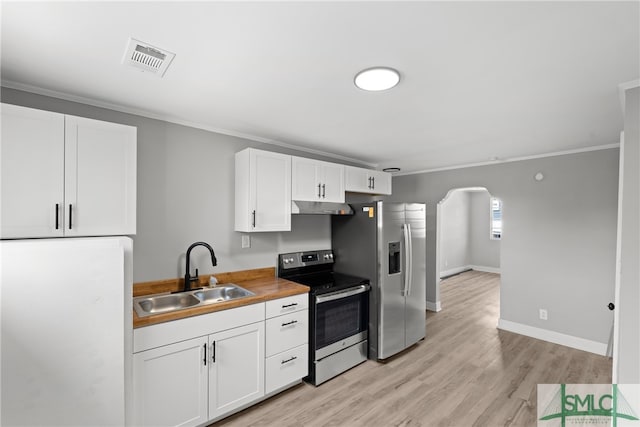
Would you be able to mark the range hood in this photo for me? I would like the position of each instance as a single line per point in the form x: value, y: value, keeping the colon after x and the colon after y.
x: 320, y: 208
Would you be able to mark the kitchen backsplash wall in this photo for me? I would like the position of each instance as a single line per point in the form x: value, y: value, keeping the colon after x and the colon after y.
x: 186, y: 194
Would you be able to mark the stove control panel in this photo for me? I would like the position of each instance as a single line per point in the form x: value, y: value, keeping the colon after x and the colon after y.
x: 305, y: 259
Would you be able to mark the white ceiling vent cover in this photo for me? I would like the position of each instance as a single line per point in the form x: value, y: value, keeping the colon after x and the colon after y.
x: 147, y: 57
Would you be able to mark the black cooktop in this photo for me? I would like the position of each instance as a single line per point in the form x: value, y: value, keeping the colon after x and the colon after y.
x: 325, y: 282
x: 315, y: 269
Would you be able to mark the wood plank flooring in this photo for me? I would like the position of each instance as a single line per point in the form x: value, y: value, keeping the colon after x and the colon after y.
x: 465, y: 373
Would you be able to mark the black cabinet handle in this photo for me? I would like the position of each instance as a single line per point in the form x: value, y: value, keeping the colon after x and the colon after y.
x: 291, y: 359
x: 213, y: 353
x: 205, y: 354
x: 318, y: 191
x: 57, y: 216
x: 290, y: 305
x: 70, y: 215
x: 611, y: 306
x: 323, y: 188
x: 254, y: 219
x: 373, y: 182
x: 369, y: 182
x: 290, y: 323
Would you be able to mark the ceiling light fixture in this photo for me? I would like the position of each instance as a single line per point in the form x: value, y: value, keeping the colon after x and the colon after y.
x: 391, y: 170
x: 377, y: 78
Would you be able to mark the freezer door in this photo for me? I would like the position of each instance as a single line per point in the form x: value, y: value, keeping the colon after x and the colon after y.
x: 416, y: 297
x: 391, y: 308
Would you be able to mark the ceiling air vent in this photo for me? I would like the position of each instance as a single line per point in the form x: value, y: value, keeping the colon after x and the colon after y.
x: 147, y: 58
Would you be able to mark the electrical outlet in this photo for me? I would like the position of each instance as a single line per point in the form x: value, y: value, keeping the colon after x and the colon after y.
x: 543, y: 314
x: 246, y: 241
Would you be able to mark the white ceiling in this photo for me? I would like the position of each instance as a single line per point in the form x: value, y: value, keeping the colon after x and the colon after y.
x: 480, y: 80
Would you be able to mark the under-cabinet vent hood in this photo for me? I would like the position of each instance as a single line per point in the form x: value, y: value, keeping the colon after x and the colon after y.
x: 320, y: 208
x: 146, y: 57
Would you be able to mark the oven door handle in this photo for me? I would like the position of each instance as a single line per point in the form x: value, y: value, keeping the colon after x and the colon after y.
x: 342, y: 294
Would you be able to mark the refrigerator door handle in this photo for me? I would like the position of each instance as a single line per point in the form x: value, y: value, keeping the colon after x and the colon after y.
x: 407, y: 257
x: 409, y: 276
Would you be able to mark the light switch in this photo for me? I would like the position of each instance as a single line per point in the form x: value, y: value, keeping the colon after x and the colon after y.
x: 246, y: 241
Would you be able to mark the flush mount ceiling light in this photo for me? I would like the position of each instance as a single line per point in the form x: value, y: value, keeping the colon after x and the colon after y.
x: 377, y: 78
x: 391, y: 170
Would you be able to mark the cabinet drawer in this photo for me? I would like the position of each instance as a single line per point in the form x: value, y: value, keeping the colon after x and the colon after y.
x: 286, y: 305
x: 287, y: 331
x: 285, y: 368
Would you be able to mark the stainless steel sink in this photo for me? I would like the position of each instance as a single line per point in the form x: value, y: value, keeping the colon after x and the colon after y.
x: 165, y: 303
x: 222, y: 293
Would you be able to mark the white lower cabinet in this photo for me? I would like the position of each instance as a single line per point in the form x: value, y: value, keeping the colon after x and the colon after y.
x: 170, y: 385
x: 196, y: 370
x: 236, y: 371
x: 287, y: 337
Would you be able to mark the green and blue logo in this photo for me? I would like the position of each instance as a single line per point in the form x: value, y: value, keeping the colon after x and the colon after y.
x: 586, y: 404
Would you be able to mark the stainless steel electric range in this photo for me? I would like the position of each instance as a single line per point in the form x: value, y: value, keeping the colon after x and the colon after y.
x: 338, y: 312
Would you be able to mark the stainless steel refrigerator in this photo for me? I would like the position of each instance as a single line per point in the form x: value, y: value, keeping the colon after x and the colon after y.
x: 385, y: 243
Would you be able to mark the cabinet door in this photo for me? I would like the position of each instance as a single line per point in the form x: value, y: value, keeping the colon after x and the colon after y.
x: 305, y: 179
x: 236, y: 371
x: 100, y: 178
x: 170, y: 385
x: 31, y: 172
x: 360, y: 180
x: 270, y: 191
x: 381, y: 182
x: 357, y: 180
x: 333, y: 183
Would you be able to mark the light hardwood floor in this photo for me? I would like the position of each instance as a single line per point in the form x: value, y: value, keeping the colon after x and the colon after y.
x: 465, y: 373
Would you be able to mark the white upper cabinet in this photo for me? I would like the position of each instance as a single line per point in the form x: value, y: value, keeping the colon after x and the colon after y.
x: 66, y: 176
x: 100, y: 178
x: 316, y: 181
x: 262, y: 191
x: 31, y: 172
x: 360, y: 180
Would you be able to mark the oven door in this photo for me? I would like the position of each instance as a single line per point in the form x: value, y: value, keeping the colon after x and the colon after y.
x: 340, y: 320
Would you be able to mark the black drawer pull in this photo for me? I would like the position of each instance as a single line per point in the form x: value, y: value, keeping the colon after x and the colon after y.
x: 289, y: 323
x: 290, y: 305
x: 291, y: 359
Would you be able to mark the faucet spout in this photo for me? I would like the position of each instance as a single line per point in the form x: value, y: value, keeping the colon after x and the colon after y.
x: 187, y: 277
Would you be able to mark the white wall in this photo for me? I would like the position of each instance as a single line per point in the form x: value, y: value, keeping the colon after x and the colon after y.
x: 484, y: 251
x: 559, y: 243
x: 628, y: 365
x: 455, y: 244
x: 185, y: 194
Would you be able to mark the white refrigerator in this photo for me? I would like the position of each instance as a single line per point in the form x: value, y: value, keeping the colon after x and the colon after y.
x: 66, y: 331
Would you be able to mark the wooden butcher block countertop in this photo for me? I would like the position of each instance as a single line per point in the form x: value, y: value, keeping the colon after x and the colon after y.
x: 262, y: 282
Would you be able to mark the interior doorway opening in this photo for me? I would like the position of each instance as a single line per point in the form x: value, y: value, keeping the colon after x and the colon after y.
x: 468, y: 234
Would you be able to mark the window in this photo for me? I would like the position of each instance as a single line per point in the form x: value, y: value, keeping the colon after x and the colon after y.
x: 496, y: 219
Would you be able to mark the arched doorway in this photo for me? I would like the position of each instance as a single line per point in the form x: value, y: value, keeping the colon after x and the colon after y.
x: 468, y: 233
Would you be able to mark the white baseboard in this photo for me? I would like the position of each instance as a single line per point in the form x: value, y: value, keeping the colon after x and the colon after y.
x: 455, y: 270
x: 434, y: 306
x: 485, y: 269
x: 554, y: 337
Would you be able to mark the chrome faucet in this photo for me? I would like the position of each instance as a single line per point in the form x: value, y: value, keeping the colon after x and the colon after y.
x: 187, y: 278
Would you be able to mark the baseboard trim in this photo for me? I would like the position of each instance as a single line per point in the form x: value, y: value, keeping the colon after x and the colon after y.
x: 454, y: 271
x: 434, y: 306
x: 457, y: 270
x: 554, y: 337
x: 485, y: 269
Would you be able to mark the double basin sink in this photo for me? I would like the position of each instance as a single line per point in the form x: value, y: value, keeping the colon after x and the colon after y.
x: 166, y: 303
